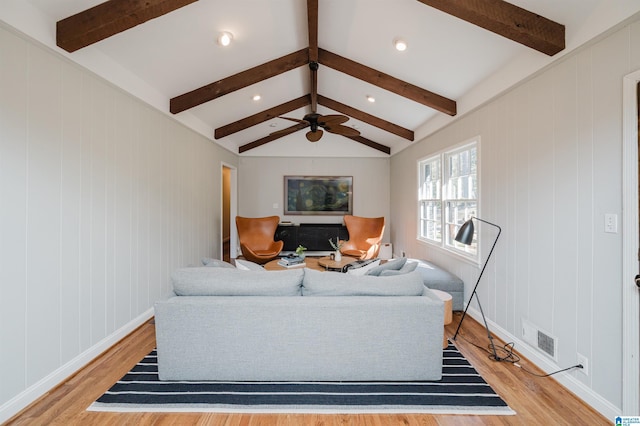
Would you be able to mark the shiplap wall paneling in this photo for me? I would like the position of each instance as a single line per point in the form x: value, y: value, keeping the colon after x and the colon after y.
x: 585, y: 219
x: 70, y: 212
x: 261, y: 185
x: 610, y: 63
x: 43, y: 214
x: 565, y: 201
x: 13, y: 210
x: 101, y: 198
x: 551, y: 158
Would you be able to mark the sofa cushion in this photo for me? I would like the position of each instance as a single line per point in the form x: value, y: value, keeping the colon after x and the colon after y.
x: 216, y: 263
x: 408, y: 267
x: 246, y: 265
x: 394, y: 264
x: 316, y: 283
x: 204, y: 281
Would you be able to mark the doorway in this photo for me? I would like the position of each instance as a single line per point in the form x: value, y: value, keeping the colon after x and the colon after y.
x: 630, y: 245
x: 229, y: 208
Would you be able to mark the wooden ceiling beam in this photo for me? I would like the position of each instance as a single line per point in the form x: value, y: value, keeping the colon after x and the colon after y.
x: 313, y: 71
x: 110, y: 18
x: 262, y: 116
x: 272, y: 137
x: 367, y: 118
x: 507, y: 20
x: 238, y: 81
x: 312, y: 25
x: 370, y: 144
x: 387, y: 82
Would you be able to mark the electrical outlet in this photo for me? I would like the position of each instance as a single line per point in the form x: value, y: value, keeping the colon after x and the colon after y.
x: 585, y: 364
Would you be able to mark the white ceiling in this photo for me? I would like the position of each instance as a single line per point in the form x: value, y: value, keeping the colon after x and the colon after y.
x: 177, y: 53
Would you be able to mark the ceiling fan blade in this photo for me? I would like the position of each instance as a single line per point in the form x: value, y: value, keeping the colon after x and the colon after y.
x: 332, y: 119
x: 297, y: 120
x: 342, y: 130
x: 289, y: 130
x: 314, y: 136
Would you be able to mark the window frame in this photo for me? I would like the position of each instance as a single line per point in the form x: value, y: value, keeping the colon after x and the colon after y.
x: 469, y: 253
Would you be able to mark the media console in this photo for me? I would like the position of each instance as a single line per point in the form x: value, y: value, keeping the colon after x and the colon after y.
x: 313, y: 236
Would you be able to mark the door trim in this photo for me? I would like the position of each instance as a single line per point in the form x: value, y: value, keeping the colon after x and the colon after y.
x: 233, y: 210
x: 630, y: 298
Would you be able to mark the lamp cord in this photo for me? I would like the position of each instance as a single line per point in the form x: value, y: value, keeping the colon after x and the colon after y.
x: 513, y: 358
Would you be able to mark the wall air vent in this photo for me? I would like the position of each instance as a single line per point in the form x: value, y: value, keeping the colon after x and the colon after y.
x: 541, y: 340
x: 547, y: 344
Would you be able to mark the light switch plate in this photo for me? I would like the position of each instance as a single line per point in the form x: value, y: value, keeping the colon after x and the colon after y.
x: 611, y: 223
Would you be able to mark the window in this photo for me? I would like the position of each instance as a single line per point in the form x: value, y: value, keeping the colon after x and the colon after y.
x: 448, y: 195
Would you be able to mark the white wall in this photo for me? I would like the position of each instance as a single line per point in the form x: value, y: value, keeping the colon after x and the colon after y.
x: 101, y: 197
x: 261, y: 185
x: 551, y: 159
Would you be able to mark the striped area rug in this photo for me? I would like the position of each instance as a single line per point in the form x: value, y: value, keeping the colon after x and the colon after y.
x: 461, y: 391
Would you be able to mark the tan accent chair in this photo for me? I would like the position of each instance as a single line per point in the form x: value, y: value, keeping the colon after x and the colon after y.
x: 256, y: 238
x: 365, y: 234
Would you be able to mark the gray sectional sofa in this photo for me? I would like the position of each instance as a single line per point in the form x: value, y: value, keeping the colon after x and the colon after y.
x: 437, y: 278
x: 228, y: 324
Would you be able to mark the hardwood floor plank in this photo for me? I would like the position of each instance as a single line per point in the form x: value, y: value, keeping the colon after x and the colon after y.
x: 535, y: 400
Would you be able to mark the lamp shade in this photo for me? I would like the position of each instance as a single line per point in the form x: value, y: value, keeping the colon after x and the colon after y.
x: 465, y: 233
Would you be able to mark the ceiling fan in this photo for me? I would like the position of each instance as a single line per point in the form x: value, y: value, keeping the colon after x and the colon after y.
x: 332, y: 123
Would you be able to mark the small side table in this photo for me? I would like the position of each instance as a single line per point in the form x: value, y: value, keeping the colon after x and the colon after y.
x: 332, y: 265
x: 448, y: 311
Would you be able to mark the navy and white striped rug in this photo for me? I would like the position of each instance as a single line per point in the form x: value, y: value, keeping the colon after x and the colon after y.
x: 461, y: 391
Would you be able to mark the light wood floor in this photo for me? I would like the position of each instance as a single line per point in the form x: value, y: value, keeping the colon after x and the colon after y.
x: 537, y: 401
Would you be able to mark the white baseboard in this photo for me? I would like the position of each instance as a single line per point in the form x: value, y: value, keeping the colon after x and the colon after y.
x: 566, y: 379
x: 32, y: 393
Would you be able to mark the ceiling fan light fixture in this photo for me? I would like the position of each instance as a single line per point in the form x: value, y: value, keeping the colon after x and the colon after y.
x: 225, y: 38
x: 400, y: 44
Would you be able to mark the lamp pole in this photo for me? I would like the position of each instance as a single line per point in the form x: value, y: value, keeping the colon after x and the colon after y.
x: 465, y: 236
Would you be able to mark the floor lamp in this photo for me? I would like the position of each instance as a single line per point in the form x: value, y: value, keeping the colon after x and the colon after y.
x: 465, y: 236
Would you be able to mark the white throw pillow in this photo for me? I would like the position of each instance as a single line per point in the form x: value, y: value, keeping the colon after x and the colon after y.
x: 216, y: 263
x: 245, y: 265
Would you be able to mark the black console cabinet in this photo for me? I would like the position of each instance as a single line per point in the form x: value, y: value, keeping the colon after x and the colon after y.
x: 313, y: 236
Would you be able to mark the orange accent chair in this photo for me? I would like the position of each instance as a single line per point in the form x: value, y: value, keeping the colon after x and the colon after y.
x: 256, y: 238
x: 365, y: 234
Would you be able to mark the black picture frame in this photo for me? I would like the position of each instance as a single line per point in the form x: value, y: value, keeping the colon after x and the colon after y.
x: 318, y: 195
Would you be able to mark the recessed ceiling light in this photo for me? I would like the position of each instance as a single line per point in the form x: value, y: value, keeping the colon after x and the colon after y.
x: 400, y: 44
x: 273, y: 125
x: 371, y: 98
x: 256, y: 97
x: 225, y: 38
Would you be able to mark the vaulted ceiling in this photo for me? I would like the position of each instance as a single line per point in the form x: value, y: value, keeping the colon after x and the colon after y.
x: 453, y: 47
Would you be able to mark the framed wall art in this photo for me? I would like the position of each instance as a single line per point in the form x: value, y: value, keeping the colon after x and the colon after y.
x: 318, y: 195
